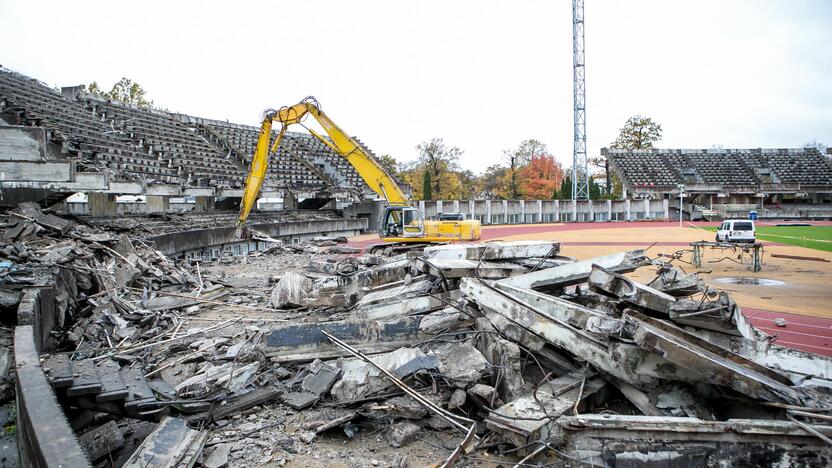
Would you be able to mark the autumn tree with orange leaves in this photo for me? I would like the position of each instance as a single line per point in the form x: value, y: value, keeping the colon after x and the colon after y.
x: 541, y: 178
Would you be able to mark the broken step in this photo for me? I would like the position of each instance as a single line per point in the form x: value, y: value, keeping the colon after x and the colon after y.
x: 58, y: 369
x: 85, y: 379
x: 112, y: 387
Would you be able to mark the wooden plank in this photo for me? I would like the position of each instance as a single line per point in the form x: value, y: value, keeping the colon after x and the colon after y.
x: 336, y: 422
x: 86, y: 379
x: 101, y: 441
x: 800, y: 257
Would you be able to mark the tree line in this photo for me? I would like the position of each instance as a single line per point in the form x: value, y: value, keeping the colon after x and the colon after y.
x: 528, y: 171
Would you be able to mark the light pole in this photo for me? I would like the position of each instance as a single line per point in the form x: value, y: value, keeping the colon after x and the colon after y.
x: 681, y: 206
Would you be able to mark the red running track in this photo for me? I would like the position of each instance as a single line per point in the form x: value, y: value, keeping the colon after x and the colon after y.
x: 812, y: 334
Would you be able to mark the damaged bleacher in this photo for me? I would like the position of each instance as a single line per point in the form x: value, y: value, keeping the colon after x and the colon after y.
x: 97, y: 146
x: 723, y: 170
x: 158, y: 147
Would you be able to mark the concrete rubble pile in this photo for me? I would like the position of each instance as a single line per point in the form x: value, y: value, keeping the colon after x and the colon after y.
x: 512, y: 346
x: 507, y: 348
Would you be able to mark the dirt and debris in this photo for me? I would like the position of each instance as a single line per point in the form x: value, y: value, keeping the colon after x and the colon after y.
x: 317, y: 355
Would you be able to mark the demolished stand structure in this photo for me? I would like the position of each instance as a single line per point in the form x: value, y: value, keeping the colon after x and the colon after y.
x: 502, y: 351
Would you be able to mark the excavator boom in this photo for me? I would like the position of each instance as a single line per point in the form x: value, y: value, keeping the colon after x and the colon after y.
x: 373, y: 174
x: 401, y: 223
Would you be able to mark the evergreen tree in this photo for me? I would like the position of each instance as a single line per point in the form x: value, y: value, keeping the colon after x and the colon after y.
x: 594, y: 190
x: 566, y: 187
x: 427, y: 186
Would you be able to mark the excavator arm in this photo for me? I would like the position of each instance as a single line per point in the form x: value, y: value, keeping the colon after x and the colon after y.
x: 371, y: 171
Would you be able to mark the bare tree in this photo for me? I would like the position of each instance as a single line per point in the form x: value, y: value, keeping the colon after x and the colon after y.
x: 816, y: 144
x: 638, y: 132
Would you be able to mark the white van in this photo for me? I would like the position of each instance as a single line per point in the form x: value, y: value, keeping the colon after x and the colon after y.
x: 736, y: 230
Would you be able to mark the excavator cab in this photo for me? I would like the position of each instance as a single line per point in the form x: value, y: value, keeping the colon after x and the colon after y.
x: 401, y: 221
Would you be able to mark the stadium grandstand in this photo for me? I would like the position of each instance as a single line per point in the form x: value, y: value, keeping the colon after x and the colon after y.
x: 777, y: 183
x: 56, y: 143
x: 85, y: 143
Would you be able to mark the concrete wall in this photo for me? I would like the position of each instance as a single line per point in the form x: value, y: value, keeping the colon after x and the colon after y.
x: 44, y: 437
x: 211, y: 243
x: 547, y: 211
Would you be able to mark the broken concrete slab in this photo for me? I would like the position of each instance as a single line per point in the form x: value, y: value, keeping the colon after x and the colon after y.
x: 457, y: 399
x: 712, y: 362
x: 360, y: 378
x: 172, y: 444
x: 446, y: 319
x: 351, y: 285
x: 248, y: 400
x: 677, y: 283
x: 405, y: 306
x: 218, y: 456
x: 617, y: 286
x: 379, y: 296
x: 795, y: 363
x: 578, y: 272
x: 216, y: 292
x: 452, y: 268
x: 561, y: 309
x: 625, y: 361
x: 402, y: 433
x: 322, y: 376
x: 305, y: 341
x: 405, y: 407
x: 504, y: 356
x: 498, y: 250
x: 533, y: 417
x: 231, y: 376
x: 291, y: 291
x: 101, y: 441
x: 300, y: 400
x: 483, y: 395
x: 598, y: 440
x: 461, y: 363
x: 127, y: 274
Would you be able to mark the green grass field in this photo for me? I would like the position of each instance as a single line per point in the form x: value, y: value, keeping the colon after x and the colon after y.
x: 795, y: 235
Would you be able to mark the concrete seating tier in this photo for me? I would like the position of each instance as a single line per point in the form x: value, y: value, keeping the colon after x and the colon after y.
x: 286, y: 168
x: 25, y: 101
x: 647, y: 170
x: 200, y: 162
x: 808, y: 167
x: 725, y: 168
x: 326, y: 160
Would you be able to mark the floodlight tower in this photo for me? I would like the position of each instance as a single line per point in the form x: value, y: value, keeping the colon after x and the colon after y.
x: 580, y: 166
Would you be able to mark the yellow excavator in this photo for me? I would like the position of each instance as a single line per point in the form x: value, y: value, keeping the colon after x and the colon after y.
x: 401, y: 225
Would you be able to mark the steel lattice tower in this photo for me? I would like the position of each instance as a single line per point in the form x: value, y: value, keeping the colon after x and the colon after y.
x: 580, y: 166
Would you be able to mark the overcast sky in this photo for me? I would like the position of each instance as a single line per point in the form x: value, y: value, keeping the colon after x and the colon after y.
x: 483, y: 75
